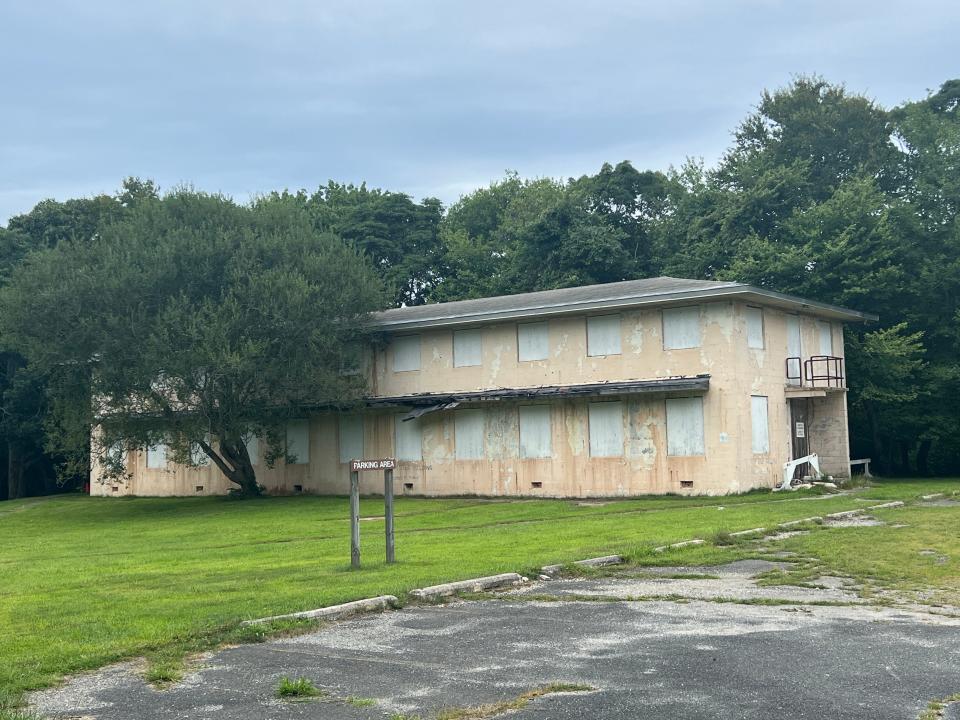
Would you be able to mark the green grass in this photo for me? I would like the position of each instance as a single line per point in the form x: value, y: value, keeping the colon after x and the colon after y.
x: 88, y: 581
x: 298, y: 689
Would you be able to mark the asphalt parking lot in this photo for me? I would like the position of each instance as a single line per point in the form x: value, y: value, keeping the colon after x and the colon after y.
x: 723, y: 648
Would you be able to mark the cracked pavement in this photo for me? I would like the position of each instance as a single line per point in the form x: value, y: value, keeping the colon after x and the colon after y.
x: 689, y: 659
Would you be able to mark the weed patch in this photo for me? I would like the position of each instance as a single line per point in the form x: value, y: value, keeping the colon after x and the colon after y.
x: 299, y: 689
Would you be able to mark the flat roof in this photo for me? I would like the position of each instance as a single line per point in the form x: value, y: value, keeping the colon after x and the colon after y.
x: 597, y: 298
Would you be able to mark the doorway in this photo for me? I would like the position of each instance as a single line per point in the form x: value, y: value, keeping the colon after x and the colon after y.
x: 800, y: 433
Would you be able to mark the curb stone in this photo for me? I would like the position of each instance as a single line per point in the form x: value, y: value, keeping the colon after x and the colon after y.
x: 894, y: 504
x: 685, y: 543
x: 792, y: 523
x: 473, y: 585
x: 381, y: 602
x: 751, y: 531
x: 589, y: 562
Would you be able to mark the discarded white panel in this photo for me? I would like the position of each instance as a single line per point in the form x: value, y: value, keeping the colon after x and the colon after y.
x: 606, y: 429
x: 298, y: 442
x: 351, y: 437
x: 759, y: 424
x: 157, y: 456
x: 681, y: 328
x: 468, y: 429
x: 253, y: 449
x: 533, y: 341
x: 794, y: 349
x: 467, y: 348
x: 754, y: 317
x: 603, y: 335
x: 825, y: 333
x: 685, y: 426
x: 406, y: 353
x: 409, y: 438
x: 535, y: 433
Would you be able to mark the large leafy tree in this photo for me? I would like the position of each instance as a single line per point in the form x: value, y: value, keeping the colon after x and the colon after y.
x: 525, y: 235
x: 400, y: 236
x: 195, y: 322
x: 26, y: 467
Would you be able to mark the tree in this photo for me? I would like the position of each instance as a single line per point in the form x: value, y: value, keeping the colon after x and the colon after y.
x: 194, y: 322
x: 401, y: 237
x: 526, y: 235
x: 26, y: 467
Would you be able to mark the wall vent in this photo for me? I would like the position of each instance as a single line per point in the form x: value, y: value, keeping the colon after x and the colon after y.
x: 686, y: 483
x: 199, y: 488
x: 408, y: 486
x: 537, y: 484
x: 298, y: 488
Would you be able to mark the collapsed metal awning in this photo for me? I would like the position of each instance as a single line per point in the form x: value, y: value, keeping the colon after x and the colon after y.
x: 422, y: 404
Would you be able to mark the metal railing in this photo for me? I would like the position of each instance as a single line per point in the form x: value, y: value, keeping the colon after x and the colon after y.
x: 816, y: 371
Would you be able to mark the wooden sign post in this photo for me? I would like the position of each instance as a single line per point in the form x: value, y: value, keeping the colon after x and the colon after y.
x: 356, y: 466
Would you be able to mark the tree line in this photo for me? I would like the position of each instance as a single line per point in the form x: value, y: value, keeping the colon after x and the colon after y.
x: 823, y: 193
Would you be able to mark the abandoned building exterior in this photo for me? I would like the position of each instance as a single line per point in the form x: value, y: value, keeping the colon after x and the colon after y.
x: 630, y: 388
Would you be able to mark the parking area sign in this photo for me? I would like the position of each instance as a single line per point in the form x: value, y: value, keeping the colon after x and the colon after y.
x: 381, y: 464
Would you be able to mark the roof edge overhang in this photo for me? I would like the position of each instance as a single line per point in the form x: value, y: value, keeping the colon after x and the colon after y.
x: 692, y: 385
x: 746, y: 293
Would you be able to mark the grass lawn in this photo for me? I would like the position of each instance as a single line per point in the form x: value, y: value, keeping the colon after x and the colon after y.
x: 87, y: 581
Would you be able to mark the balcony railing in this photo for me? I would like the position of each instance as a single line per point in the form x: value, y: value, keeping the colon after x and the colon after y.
x: 818, y: 371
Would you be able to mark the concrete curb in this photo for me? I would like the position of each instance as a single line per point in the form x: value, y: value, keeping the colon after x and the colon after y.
x: 474, y: 585
x: 685, y: 543
x: 751, y: 531
x: 894, y: 504
x: 589, y: 562
x: 801, y: 521
x: 846, y: 513
x: 933, y: 496
x: 382, y: 602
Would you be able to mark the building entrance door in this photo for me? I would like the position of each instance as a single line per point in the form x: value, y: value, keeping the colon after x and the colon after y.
x: 799, y: 431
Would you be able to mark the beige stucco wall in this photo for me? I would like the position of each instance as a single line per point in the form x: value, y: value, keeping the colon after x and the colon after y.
x: 728, y: 464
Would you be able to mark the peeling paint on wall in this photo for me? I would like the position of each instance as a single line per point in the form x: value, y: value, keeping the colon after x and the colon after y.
x: 574, y: 423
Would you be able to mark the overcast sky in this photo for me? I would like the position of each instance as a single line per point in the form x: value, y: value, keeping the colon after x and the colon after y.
x: 427, y: 98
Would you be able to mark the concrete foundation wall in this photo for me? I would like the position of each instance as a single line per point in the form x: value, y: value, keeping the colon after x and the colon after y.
x: 728, y: 464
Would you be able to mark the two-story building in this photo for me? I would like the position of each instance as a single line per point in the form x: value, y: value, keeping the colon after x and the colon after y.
x: 630, y: 388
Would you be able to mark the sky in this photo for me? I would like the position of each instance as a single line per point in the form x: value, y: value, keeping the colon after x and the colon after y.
x: 422, y: 97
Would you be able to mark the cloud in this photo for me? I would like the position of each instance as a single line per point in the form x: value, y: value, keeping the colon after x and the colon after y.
x: 431, y: 98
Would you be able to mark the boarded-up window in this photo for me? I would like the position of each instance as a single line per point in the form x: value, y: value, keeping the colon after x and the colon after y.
x: 406, y: 353
x: 409, y: 439
x: 685, y: 426
x: 468, y: 428
x: 825, y: 333
x: 760, y: 429
x: 253, y: 449
x: 754, y: 317
x: 533, y: 341
x: 298, y: 442
x: 157, y: 456
x: 535, y: 435
x: 467, y: 348
x: 681, y: 328
x: 603, y: 335
x: 794, y: 350
x: 351, y: 438
x: 606, y: 429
